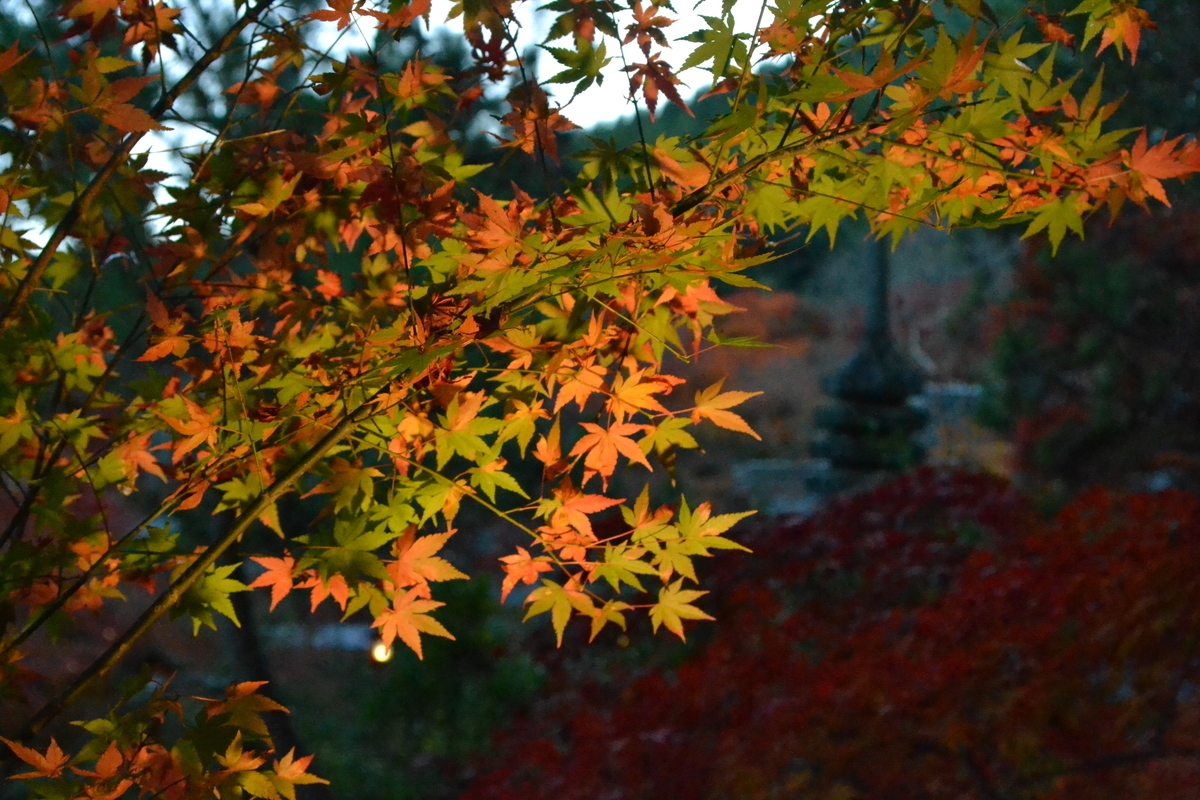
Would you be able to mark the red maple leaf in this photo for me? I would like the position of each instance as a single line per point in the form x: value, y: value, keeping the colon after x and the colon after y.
x: 653, y: 77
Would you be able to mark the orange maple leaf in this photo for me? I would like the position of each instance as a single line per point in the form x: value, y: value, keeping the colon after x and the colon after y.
x: 131, y: 119
x: 134, y: 455
x: 533, y: 123
x: 571, y: 508
x: 416, y: 564
x: 1052, y: 30
x: 404, y: 17
x: 636, y: 393
x: 580, y: 385
x: 106, y: 766
x: 602, y: 446
x: 886, y: 71
x: 330, y: 284
x: 339, y: 11
x: 295, y: 770
x: 1125, y: 29
x: 200, y: 429
x: 1163, y: 161
x: 170, y: 342
x: 521, y: 567
x: 647, y: 27
x: 278, y: 576
x: 49, y: 765
x: 335, y: 587
x: 690, y: 176
x: 407, y: 619
x: 960, y: 80
x: 711, y: 402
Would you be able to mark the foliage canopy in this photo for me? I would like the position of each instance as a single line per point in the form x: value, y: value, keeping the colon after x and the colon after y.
x: 317, y: 315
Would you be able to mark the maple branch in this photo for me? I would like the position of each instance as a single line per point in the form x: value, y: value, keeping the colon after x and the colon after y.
x: 196, y: 570
x: 77, y: 208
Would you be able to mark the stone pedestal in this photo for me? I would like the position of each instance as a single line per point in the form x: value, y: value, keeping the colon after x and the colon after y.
x: 867, y: 432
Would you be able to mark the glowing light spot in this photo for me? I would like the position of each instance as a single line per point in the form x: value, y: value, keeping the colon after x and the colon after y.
x: 381, y: 653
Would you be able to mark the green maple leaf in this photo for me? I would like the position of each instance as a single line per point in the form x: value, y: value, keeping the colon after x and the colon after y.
x: 583, y: 64
x: 719, y: 44
x: 210, y: 593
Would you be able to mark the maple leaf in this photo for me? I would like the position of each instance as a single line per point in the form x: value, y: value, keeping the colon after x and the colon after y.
x: 416, y: 564
x: 647, y: 28
x: 603, y: 444
x: 347, y: 482
x: 523, y: 568
x: 1162, y: 162
x: 710, y: 405
x: 242, y: 707
x: 278, y: 576
x: 134, y: 455
x: 886, y: 71
x: 107, y: 767
x: 653, y: 77
x: 559, y: 600
x: 571, y: 507
x: 49, y: 765
x: 334, y: 586
x: 290, y: 772
x: 407, y: 619
x: 580, y: 384
x: 690, y: 176
x: 97, y: 9
x: 152, y: 25
x: 130, y: 119
x: 10, y: 58
x: 533, y: 123
x: 611, y: 611
x: 548, y: 450
x: 521, y: 422
x: 339, y: 11
x: 674, y: 606
x: 200, y: 428
x: 208, y: 594
x: 329, y: 285
x: 1125, y: 29
x: 237, y: 759
x: 1052, y: 30
x: 402, y: 18
x: 636, y: 393
x: 169, y: 342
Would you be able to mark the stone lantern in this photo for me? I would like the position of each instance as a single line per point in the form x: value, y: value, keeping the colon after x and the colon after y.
x: 867, y: 432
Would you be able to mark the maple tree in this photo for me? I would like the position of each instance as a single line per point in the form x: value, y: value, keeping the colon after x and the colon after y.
x: 935, y: 637
x: 315, y: 308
